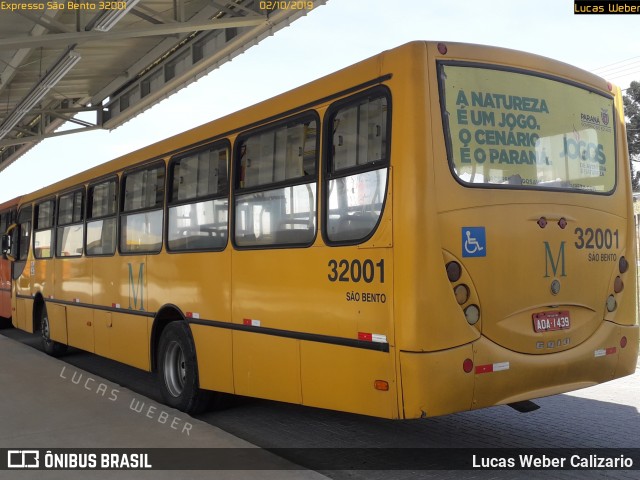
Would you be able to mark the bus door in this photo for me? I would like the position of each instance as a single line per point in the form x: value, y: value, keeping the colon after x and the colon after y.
x: 23, y: 268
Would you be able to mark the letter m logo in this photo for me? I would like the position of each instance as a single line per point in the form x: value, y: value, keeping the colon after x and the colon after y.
x: 554, y: 261
x: 136, y: 288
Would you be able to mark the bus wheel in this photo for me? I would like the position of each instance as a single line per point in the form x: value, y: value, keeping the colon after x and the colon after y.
x: 178, y: 370
x: 50, y: 347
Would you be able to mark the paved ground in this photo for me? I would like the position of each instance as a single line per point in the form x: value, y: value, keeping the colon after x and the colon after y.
x: 46, y: 403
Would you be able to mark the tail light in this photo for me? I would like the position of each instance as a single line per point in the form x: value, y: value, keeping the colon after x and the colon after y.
x: 463, y: 290
x: 611, y: 303
x: 472, y: 314
x: 454, y: 271
x: 618, y: 285
x: 467, y: 365
x: 623, y: 265
x: 462, y: 293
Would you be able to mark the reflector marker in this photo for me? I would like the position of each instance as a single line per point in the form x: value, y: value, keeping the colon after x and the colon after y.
x: 192, y: 315
x: 492, y: 367
x: 372, y: 337
x: 603, y: 352
x: 115, y: 305
x: 76, y: 300
x: 251, y: 322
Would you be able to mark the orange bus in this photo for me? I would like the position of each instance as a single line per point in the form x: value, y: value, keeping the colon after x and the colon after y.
x: 7, y: 218
x: 439, y: 228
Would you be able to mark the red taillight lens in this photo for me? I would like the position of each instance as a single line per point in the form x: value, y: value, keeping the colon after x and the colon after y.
x: 623, y: 342
x: 618, y: 285
x: 467, y: 365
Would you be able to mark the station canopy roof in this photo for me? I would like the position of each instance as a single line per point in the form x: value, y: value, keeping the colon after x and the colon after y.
x: 114, y: 59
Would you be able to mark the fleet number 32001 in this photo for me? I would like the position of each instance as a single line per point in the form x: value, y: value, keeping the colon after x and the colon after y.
x: 356, y: 271
x: 598, y: 238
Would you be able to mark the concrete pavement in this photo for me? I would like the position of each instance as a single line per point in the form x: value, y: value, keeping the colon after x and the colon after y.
x: 46, y: 403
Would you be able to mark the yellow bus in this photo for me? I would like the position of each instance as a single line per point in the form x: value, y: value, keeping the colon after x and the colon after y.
x: 439, y: 228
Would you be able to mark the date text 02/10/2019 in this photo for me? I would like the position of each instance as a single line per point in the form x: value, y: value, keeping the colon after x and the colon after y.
x: 286, y: 5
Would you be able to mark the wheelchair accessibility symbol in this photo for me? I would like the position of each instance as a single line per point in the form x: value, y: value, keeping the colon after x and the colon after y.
x: 474, y: 242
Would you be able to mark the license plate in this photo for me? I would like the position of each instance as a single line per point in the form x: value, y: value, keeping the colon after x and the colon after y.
x: 551, y: 321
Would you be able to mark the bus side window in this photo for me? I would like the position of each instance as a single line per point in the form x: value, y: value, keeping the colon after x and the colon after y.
x: 198, y: 200
x: 275, y: 203
x: 357, y: 166
x: 102, y: 207
x: 142, y: 212
x: 43, y: 237
x: 70, y: 230
x: 24, y: 238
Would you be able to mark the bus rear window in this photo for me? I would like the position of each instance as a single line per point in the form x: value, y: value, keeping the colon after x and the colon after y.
x: 520, y: 130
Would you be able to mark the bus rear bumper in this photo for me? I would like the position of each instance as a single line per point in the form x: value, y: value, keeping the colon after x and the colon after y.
x: 435, y: 383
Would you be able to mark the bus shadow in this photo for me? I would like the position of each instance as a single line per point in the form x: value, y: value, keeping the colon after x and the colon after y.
x: 563, y: 421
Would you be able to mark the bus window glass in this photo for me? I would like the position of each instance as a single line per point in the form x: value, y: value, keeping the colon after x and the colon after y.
x: 24, y: 220
x: 268, y: 212
x: 282, y: 216
x: 44, y: 230
x: 70, y: 231
x: 144, y: 189
x: 101, y: 237
x: 142, y: 231
x: 357, y: 178
x: 45, y: 215
x: 102, y: 206
x: 4, y: 222
x: 70, y: 208
x: 69, y: 241
x: 103, y: 199
x: 199, y: 225
x: 359, y: 133
x: 518, y: 130
x: 359, y: 199
x: 199, y: 175
x: 280, y: 154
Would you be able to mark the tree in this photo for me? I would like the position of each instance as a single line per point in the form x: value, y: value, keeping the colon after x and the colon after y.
x: 632, y: 113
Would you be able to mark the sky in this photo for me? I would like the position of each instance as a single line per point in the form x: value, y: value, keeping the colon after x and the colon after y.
x: 331, y: 37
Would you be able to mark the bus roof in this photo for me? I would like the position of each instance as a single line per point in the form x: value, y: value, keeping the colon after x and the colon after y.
x: 306, y: 96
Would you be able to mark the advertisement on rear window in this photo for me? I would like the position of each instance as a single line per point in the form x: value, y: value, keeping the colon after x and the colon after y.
x: 515, y: 129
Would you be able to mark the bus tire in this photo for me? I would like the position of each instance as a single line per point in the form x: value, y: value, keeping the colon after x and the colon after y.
x: 178, y: 370
x: 5, y: 323
x: 50, y: 347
